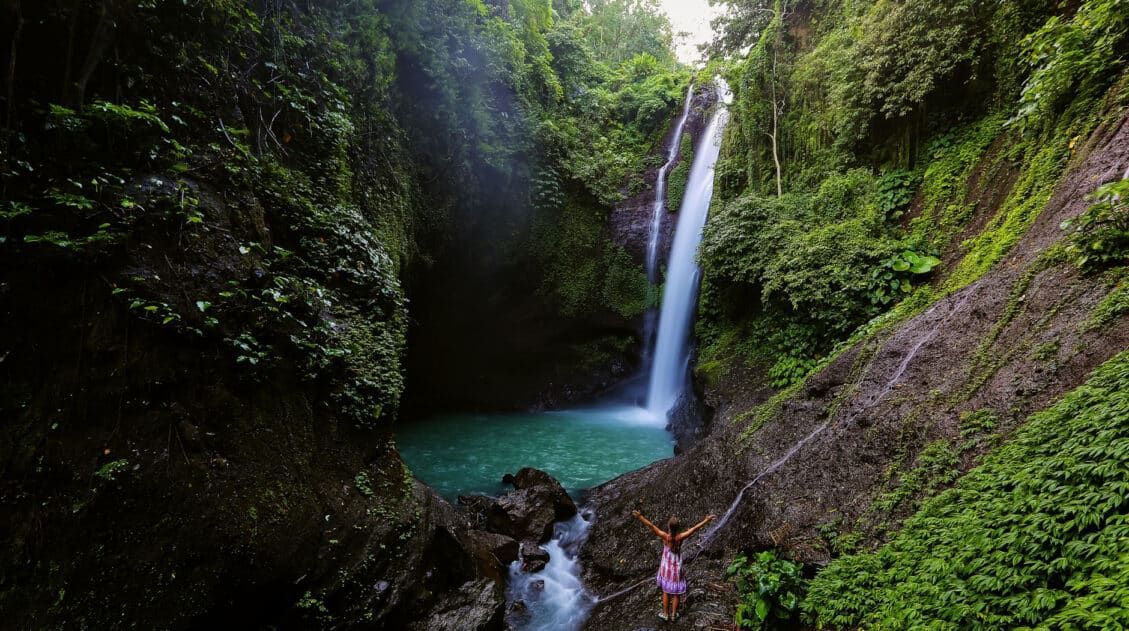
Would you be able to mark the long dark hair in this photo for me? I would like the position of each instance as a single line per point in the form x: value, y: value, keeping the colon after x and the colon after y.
x: 673, y: 526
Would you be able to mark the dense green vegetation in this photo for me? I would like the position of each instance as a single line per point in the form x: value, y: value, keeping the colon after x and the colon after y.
x: 233, y: 198
x: 867, y: 138
x: 362, y: 143
x: 884, y: 154
x: 1036, y: 537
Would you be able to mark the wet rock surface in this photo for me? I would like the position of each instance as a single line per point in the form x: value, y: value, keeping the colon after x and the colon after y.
x: 476, y: 606
x: 689, y: 420
x: 526, y: 513
x: 534, y: 558
x: 492, y: 553
x: 632, y: 218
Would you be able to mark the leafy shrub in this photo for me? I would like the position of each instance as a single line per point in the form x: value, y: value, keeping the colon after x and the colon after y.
x: 892, y: 279
x: 1100, y: 236
x: 978, y: 422
x: 769, y: 590
x: 936, y: 466
x: 1073, y: 56
x: 789, y: 370
x: 109, y: 471
x: 806, y: 254
x: 895, y: 192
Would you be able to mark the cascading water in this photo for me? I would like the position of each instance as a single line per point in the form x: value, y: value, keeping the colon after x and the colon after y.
x: 657, y: 210
x: 671, y: 354
x: 553, y: 598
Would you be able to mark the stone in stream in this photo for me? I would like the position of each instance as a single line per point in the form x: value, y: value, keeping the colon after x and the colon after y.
x: 526, y: 513
x: 534, y: 558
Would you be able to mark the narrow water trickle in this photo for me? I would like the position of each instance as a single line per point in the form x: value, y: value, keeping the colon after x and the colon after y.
x: 923, y: 339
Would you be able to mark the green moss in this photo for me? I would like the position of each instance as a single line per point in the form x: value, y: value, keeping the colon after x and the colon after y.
x: 110, y: 471
x: 952, y: 158
x: 597, y: 355
x: 1115, y: 304
x: 986, y: 361
x: 1046, y: 351
x: 363, y: 484
x: 756, y: 417
x: 626, y: 290
x: 680, y: 175
x: 1044, y: 161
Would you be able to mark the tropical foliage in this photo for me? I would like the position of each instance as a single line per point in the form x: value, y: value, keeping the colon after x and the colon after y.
x: 1036, y: 537
x: 860, y: 133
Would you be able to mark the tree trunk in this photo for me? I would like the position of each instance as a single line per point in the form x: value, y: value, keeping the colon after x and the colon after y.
x: 99, y: 42
x: 775, y: 126
x: 11, y: 74
x: 68, y: 59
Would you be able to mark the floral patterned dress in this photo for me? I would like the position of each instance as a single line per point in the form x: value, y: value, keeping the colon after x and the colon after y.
x: 670, y: 572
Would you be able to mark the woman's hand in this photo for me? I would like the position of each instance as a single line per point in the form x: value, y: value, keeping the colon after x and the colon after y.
x: 711, y: 517
x: 636, y: 514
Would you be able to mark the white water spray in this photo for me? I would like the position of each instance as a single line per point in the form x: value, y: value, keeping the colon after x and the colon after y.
x: 671, y: 355
x: 554, y: 598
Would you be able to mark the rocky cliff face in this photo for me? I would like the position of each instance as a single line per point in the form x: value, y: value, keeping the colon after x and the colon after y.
x: 150, y: 480
x: 796, y: 470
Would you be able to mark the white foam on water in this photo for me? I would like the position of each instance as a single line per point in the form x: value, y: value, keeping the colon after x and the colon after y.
x: 554, y: 598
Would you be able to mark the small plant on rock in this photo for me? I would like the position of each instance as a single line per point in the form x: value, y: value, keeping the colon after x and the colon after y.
x: 769, y: 590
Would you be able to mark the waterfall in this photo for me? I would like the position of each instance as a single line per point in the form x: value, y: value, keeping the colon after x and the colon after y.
x: 658, y: 208
x: 671, y: 354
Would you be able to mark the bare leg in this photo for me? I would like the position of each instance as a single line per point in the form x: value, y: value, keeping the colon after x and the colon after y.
x: 673, y: 606
x: 666, y: 604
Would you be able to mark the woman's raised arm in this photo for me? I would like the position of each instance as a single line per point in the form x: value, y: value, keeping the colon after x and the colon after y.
x: 655, y: 529
x: 685, y: 534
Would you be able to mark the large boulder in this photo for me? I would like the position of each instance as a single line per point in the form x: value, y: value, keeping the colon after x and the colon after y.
x: 484, y: 512
x: 537, y: 502
x: 492, y: 553
x: 475, y: 606
x: 526, y: 513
